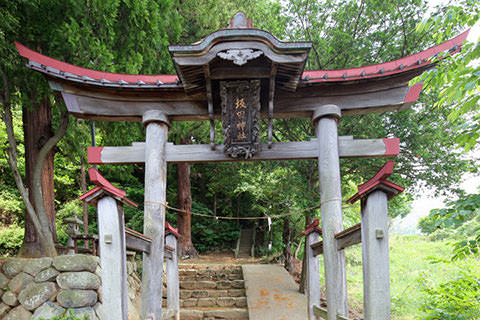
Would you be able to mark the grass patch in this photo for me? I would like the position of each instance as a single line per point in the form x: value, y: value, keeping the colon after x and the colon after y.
x: 414, y: 262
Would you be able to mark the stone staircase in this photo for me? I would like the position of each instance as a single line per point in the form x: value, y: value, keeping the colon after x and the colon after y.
x: 246, y: 242
x: 211, y: 292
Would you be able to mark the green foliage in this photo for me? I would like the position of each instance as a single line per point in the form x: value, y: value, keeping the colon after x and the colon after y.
x: 452, y: 300
x: 11, y: 239
x: 210, y: 234
x: 457, y: 77
x: 453, y: 216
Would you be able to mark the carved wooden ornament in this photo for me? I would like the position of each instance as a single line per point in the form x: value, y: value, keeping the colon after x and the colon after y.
x: 240, y: 116
x: 240, y: 56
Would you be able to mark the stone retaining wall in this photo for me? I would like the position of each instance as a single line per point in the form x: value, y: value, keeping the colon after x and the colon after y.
x: 48, y: 287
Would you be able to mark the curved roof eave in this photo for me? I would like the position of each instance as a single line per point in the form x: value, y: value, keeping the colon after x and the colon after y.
x: 69, y: 72
x: 415, y: 61
x: 238, y: 34
x: 60, y: 69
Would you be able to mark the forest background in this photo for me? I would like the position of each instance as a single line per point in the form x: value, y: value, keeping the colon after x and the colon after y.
x: 132, y: 36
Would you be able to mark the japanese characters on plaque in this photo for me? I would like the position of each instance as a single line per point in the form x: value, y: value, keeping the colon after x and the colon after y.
x: 240, y: 116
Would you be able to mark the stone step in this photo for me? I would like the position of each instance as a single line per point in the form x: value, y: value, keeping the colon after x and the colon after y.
x: 213, y: 314
x: 227, y: 267
x: 208, y: 285
x: 189, y: 272
x: 212, y: 301
x: 185, y: 294
x: 214, y: 277
x: 240, y: 302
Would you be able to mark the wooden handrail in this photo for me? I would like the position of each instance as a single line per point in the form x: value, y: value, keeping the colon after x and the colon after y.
x: 345, y: 238
x: 322, y: 313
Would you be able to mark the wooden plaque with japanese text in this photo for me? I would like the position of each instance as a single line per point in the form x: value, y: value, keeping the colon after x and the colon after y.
x: 240, y: 116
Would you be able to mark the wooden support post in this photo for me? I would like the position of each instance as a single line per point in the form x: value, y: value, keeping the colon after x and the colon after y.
x: 173, y: 289
x: 113, y: 259
x: 313, y: 272
x: 374, y: 195
x: 156, y: 124
x: 109, y: 201
x: 376, y: 273
x: 326, y: 118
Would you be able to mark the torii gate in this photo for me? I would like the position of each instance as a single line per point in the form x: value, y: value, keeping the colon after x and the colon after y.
x: 239, y: 75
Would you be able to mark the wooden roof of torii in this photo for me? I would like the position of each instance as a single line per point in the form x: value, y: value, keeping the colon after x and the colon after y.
x: 100, y: 95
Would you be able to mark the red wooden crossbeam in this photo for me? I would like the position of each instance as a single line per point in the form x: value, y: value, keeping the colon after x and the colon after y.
x: 313, y: 227
x: 378, y: 180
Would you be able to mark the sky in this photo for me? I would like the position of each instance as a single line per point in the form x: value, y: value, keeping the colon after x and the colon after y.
x: 427, y: 200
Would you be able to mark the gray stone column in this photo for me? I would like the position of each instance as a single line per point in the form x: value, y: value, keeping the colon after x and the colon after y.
x: 376, y: 273
x: 325, y: 118
x: 113, y: 258
x: 156, y: 124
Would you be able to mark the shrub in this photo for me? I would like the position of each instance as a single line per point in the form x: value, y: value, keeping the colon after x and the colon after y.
x: 453, y: 300
x: 11, y: 239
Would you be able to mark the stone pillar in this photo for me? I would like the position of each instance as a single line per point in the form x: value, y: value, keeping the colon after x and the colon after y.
x: 313, y: 274
x: 156, y: 124
x: 376, y: 273
x: 325, y: 118
x: 173, y: 289
x: 111, y: 232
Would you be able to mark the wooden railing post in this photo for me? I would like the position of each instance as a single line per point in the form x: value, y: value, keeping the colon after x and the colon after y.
x: 313, y: 273
x: 325, y: 118
x: 374, y: 195
x: 173, y: 286
x: 113, y: 258
x: 376, y: 271
x: 156, y: 124
x: 111, y: 231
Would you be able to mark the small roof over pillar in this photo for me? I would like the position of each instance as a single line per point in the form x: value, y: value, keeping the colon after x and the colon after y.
x: 378, y: 182
x: 313, y: 227
x: 104, y: 188
x: 171, y: 230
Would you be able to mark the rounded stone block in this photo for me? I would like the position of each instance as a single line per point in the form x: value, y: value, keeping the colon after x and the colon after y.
x: 34, y: 266
x: 35, y: 294
x: 3, y: 309
x: 78, y: 280
x: 207, y: 302
x: 10, y: 299
x: 226, y: 301
x: 19, y: 282
x: 48, y: 310
x: 85, y: 313
x: 3, y: 281
x: 78, y: 262
x: 46, y: 275
x: 77, y: 298
x: 13, y: 267
x: 18, y: 313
